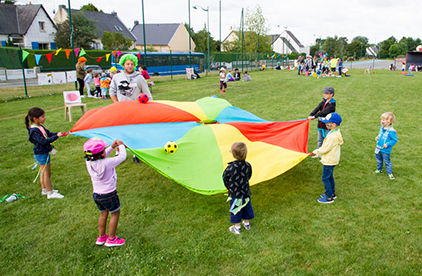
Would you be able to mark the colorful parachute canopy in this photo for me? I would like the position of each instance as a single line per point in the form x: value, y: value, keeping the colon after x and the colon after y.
x: 204, y: 132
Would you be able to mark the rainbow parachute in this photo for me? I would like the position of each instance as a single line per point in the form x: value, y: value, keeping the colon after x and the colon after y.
x: 204, y: 132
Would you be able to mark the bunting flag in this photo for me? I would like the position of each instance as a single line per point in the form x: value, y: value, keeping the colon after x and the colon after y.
x: 37, y: 59
x: 139, y: 55
x: 25, y: 54
x: 49, y: 57
x: 118, y: 53
x: 107, y: 56
x: 82, y: 53
x: 114, y: 53
x: 99, y: 59
x: 67, y: 53
x: 58, y: 51
x: 76, y: 52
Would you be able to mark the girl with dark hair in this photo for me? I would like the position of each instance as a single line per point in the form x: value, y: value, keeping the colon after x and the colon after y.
x: 42, y: 140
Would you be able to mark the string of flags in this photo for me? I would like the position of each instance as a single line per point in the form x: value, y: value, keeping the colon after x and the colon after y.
x: 79, y: 52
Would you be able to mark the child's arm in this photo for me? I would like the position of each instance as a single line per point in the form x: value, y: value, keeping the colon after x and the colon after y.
x: 328, y: 109
x: 39, y: 138
x: 315, y: 111
x: 114, y: 161
x: 392, y: 135
x: 328, y: 145
x: 226, y: 177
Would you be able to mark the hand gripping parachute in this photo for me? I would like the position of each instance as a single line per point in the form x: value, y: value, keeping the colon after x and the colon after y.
x: 204, y: 132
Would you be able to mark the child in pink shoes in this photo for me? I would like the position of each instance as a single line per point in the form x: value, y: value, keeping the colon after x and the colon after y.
x: 103, y: 176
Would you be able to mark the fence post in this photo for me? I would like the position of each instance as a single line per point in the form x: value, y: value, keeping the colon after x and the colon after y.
x: 171, y: 66
x: 23, y: 71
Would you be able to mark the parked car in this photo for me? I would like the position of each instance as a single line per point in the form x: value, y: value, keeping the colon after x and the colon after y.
x: 216, y: 66
x: 95, y: 68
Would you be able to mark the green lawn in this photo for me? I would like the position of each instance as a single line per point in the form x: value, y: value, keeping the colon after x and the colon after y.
x: 373, y: 228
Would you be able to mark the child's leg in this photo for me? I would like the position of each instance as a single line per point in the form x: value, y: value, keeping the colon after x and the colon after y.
x: 112, y: 225
x: 332, y: 182
x: 387, y: 161
x: 378, y: 157
x: 98, y: 91
x: 102, y: 222
x: 221, y: 85
x: 88, y: 89
x: 45, y: 177
x: 327, y: 173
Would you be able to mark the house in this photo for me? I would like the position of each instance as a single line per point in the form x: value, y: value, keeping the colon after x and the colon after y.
x: 163, y: 37
x: 109, y: 22
x: 28, y: 26
x: 286, y: 43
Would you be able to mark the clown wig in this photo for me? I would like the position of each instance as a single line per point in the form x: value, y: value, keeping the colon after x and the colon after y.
x: 128, y: 57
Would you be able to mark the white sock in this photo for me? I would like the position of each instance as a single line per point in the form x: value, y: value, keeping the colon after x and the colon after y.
x: 44, y: 190
x: 50, y: 193
x: 237, y: 227
x: 246, y: 223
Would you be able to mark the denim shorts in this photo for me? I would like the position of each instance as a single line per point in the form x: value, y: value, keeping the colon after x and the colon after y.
x: 42, y: 159
x: 246, y: 213
x: 107, y: 202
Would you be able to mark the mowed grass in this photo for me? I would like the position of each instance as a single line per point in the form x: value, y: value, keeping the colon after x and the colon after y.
x: 372, y: 228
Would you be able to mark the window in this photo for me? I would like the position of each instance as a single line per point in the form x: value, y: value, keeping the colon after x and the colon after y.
x: 163, y: 49
x: 41, y: 24
x: 43, y: 46
x: 118, y: 28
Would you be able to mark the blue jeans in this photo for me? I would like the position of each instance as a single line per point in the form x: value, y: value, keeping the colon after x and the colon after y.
x: 328, y: 180
x: 322, y: 133
x: 339, y: 70
x: 380, y: 157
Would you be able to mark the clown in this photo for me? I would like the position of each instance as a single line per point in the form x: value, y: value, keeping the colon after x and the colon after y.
x: 127, y: 85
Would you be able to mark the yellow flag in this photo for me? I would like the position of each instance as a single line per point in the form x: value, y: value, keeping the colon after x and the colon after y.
x: 57, y: 51
x: 107, y: 56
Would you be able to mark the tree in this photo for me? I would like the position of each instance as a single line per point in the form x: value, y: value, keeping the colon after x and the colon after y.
x: 10, y: 2
x: 355, y: 49
x: 200, y: 40
x: 314, y: 50
x: 333, y: 45
x: 385, y: 45
x: 255, y: 25
x: 362, y: 39
x: 90, y: 7
x: 397, y: 49
x: 84, y: 32
x: 115, y: 40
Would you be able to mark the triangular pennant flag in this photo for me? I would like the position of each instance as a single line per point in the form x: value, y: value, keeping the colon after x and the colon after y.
x: 82, y: 52
x: 57, y: 51
x: 67, y: 52
x: 76, y: 52
x: 118, y: 53
x: 25, y: 54
x: 49, y: 57
x: 114, y: 53
x: 107, y: 56
x: 139, y: 55
x: 37, y: 59
x: 99, y: 59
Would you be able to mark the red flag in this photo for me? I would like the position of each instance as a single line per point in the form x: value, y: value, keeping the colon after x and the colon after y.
x: 99, y: 59
x: 139, y: 55
x: 114, y: 53
x: 49, y: 57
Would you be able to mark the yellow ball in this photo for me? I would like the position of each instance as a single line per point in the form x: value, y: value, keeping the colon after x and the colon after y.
x: 170, y: 147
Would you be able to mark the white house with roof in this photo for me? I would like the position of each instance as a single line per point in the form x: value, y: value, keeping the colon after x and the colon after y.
x: 286, y: 43
x: 163, y: 37
x: 28, y: 26
x: 109, y: 22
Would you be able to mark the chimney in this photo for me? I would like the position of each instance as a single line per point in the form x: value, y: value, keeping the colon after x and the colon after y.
x: 136, y: 22
x: 114, y: 13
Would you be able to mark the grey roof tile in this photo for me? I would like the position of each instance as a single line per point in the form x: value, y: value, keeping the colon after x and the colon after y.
x: 155, y: 34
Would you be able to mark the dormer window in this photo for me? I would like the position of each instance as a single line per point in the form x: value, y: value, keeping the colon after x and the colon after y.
x: 41, y: 25
x: 118, y: 28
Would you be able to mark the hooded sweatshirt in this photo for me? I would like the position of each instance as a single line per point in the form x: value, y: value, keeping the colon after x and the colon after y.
x: 102, y: 172
x: 127, y: 87
x: 330, y: 149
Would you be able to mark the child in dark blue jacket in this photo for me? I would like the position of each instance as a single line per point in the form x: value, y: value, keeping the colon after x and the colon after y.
x: 42, y: 139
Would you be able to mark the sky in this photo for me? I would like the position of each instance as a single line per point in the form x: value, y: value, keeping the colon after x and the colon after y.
x: 306, y: 19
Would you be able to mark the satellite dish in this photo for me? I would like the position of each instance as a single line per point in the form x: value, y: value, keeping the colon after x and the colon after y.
x: 419, y: 48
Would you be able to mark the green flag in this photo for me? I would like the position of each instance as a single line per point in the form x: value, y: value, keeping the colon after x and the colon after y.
x: 25, y: 54
x: 82, y: 52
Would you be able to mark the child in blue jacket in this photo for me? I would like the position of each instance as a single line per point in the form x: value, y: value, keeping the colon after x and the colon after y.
x: 386, y: 139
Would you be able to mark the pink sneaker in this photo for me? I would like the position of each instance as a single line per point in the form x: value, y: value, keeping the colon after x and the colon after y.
x: 114, y: 242
x: 101, y: 240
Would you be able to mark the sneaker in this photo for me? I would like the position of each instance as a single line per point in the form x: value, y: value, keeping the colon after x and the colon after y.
x: 82, y: 96
x: 101, y: 240
x: 44, y: 192
x: 247, y: 226
x: 325, y: 200
x: 333, y: 197
x: 316, y: 156
x: 114, y: 242
x: 55, y: 195
x: 234, y: 230
x: 223, y: 91
x: 377, y: 171
x: 136, y: 160
x: 391, y: 176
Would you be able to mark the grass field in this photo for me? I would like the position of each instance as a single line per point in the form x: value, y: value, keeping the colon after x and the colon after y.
x: 372, y: 228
